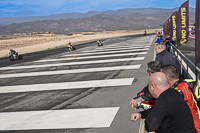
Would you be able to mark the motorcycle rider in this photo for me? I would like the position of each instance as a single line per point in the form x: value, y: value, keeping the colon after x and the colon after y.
x: 99, y: 42
x: 145, y: 33
x: 70, y: 46
x: 14, y: 53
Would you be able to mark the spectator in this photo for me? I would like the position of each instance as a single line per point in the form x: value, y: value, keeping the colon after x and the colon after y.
x: 153, y: 66
x: 165, y: 57
x: 186, y: 88
x: 158, y: 39
x: 167, y: 41
x: 172, y: 74
x: 170, y: 110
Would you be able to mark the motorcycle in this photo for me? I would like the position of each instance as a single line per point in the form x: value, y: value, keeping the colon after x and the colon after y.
x: 99, y: 43
x: 16, y: 56
x: 72, y: 48
x: 145, y: 33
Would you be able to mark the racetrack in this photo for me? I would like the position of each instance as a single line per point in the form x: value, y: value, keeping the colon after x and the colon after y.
x: 93, y: 85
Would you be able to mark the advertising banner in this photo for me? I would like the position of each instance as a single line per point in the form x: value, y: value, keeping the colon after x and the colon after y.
x: 165, y: 28
x: 168, y: 26
x: 183, y: 24
x: 173, y: 26
x: 197, y: 32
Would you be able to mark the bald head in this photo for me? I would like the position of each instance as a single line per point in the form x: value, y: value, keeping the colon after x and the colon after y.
x: 158, y: 83
x: 159, y: 78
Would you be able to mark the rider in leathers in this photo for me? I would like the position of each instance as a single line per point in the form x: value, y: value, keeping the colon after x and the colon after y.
x: 14, y: 53
x: 70, y: 46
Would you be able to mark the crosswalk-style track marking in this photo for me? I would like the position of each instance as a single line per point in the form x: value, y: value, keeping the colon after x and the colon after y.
x: 86, y: 70
x: 66, y: 85
x: 58, y: 119
x: 72, y: 63
x: 108, y: 52
x: 117, y: 48
x: 69, y: 118
x: 93, y: 57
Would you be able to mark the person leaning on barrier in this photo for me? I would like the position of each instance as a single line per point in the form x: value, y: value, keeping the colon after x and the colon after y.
x: 165, y: 57
x: 140, y: 100
x: 170, y: 114
x: 158, y: 40
x: 167, y: 43
x: 188, y: 88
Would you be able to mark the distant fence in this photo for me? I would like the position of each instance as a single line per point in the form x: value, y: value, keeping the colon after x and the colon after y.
x: 186, y: 66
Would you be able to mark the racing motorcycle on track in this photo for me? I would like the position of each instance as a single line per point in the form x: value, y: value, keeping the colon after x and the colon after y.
x: 99, y: 43
x: 145, y: 33
x: 14, y: 56
x: 71, y: 47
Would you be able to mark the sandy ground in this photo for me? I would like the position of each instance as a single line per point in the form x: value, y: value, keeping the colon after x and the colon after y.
x: 37, y: 42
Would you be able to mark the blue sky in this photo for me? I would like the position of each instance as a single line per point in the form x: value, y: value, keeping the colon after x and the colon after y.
x: 23, y: 8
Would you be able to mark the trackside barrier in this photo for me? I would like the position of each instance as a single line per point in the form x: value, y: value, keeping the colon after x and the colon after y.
x: 184, y: 62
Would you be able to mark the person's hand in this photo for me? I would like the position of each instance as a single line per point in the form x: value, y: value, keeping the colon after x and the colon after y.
x: 134, y: 102
x: 135, y: 116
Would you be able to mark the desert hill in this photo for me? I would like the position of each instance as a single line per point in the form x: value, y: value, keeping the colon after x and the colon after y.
x: 95, y: 23
x: 123, y: 19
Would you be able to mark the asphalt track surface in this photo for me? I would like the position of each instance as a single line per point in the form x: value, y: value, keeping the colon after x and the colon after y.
x: 98, y: 86
x: 43, y: 54
x: 106, y: 108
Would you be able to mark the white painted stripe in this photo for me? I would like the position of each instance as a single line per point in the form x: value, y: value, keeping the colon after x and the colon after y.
x: 66, y: 85
x: 86, y: 70
x: 58, y: 119
x: 72, y: 63
x: 92, y: 57
x: 119, y: 45
x: 109, y: 52
x: 112, y: 49
x: 117, y: 48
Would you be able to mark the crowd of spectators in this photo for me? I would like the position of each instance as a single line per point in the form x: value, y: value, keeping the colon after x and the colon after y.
x: 170, y: 103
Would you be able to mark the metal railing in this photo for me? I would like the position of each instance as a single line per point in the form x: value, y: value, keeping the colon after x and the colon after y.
x: 185, y: 64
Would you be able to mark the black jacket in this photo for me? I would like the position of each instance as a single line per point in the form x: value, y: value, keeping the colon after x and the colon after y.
x: 166, y: 58
x: 170, y: 114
